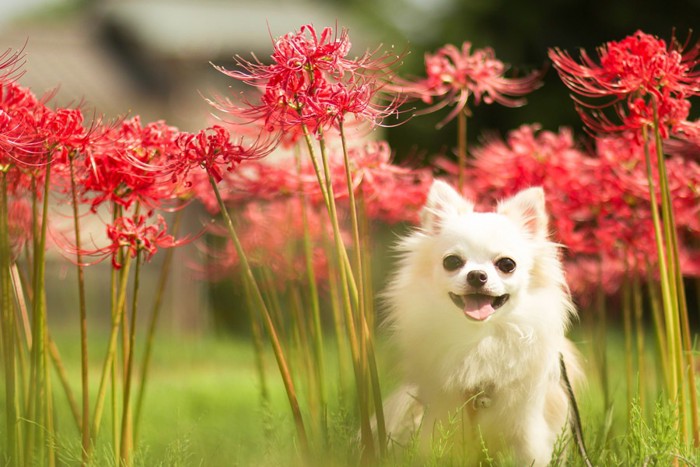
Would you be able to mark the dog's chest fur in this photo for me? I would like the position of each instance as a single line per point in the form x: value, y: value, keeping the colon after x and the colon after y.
x: 505, y: 358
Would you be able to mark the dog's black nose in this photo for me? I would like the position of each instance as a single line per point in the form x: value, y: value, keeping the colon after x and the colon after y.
x: 477, y: 278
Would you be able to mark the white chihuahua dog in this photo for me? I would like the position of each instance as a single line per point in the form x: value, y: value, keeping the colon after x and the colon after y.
x: 478, y: 310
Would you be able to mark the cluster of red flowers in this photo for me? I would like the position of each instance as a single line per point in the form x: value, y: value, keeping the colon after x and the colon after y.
x: 133, y: 169
x: 311, y: 86
x: 641, y: 77
x: 599, y: 198
x: 389, y: 194
x: 453, y: 75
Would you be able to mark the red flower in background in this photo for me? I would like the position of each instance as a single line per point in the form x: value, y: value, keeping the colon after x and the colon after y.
x: 453, y: 75
x: 598, y: 202
x: 212, y: 149
x: 19, y: 220
x: 272, y: 234
x: 11, y: 62
x: 390, y: 193
x: 129, y: 163
x: 136, y: 235
x: 311, y: 83
x: 632, y: 75
x: 686, y: 141
x: 22, y: 143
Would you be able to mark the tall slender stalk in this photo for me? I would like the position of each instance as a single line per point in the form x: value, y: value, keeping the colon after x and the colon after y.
x: 315, y: 305
x: 63, y: 378
x: 267, y: 320
x: 7, y: 324
x: 39, y: 404
x: 363, y: 310
x: 669, y: 297
x: 629, y: 357
x: 349, y: 292
x: 257, y: 345
x: 666, y: 299
x: 153, y: 322
x: 461, y: 148
x: 120, y: 300
x: 84, y: 361
x: 126, y: 442
x: 676, y: 277
x: 638, y: 311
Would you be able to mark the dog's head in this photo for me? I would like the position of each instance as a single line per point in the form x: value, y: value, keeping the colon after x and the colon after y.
x: 483, y: 262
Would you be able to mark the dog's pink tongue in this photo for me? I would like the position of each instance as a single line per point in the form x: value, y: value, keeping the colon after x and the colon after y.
x: 478, y: 307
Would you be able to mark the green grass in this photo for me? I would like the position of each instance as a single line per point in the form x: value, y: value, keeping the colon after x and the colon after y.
x: 203, y: 408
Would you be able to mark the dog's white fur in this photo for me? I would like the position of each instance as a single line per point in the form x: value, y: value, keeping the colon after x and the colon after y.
x: 492, y: 383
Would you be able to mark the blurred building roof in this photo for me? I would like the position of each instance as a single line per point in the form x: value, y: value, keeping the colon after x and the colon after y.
x: 152, y: 58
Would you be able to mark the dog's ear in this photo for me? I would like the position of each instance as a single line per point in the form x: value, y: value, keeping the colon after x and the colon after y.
x: 527, y: 209
x: 442, y: 200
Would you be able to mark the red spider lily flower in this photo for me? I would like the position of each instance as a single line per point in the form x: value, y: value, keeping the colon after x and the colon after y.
x: 390, y: 193
x: 598, y: 203
x: 686, y: 141
x: 621, y: 159
x: 64, y: 130
x: 212, y: 148
x: 11, y: 62
x: 529, y: 157
x: 306, y: 50
x: 19, y: 218
x: 273, y: 235
x: 453, y: 75
x: 311, y: 83
x: 132, y: 163
x: 136, y: 235
x: 21, y: 141
x: 631, y: 75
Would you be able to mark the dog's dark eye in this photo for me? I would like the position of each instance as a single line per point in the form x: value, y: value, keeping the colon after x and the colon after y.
x: 452, y: 262
x: 506, y: 265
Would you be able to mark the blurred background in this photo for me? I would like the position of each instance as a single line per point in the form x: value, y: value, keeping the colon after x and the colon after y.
x: 153, y: 58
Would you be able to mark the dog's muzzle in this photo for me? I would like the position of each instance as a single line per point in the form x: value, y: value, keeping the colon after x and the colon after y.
x: 477, y: 306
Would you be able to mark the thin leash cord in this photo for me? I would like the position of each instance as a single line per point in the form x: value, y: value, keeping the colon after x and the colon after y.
x: 574, y: 413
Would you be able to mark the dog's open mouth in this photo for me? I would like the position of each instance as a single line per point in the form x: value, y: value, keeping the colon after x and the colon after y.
x: 478, y: 306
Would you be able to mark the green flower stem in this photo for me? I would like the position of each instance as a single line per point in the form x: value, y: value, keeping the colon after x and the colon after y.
x: 23, y: 347
x: 116, y: 307
x: 153, y: 322
x: 677, y: 280
x: 107, y: 366
x: 461, y: 148
x: 368, y: 346
x: 267, y: 320
x: 349, y: 292
x: 84, y: 362
x: 8, y: 333
x: 667, y: 301
x: 629, y: 362
x: 325, y: 184
x: 659, y: 325
x: 338, y: 324
x: 63, y: 378
x: 320, y: 366
x: 126, y: 442
x: 40, y: 430
x: 24, y: 328
x: 638, y: 308
x: 258, y: 346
